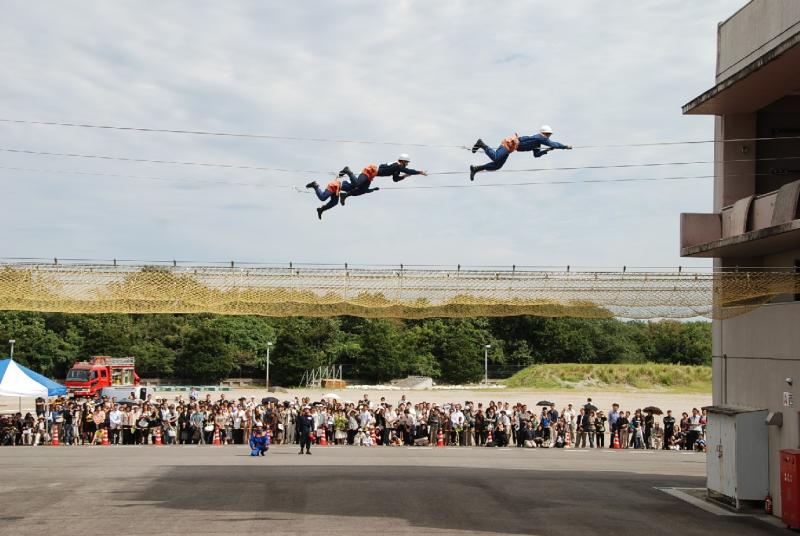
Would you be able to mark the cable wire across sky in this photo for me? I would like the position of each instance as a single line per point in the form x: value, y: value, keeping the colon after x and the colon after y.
x: 351, y: 141
x: 329, y: 172
x: 300, y: 189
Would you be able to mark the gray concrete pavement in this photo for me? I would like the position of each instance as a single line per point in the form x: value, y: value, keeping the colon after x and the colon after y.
x: 222, y: 490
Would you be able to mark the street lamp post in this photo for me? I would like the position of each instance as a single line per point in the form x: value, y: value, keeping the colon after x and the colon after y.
x: 269, y: 345
x: 486, y: 363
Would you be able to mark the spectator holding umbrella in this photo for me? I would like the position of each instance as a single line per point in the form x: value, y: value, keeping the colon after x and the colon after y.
x: 649, y: 422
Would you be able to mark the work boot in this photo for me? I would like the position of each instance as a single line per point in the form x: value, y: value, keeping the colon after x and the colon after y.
x: 342, y: 197
x: 472, y: 171
x: 319, y: 213
x: 344, y: 171
x: 307, y: 452
x: 300, y: 453
x: 478, y: 145
x: 312, y: 184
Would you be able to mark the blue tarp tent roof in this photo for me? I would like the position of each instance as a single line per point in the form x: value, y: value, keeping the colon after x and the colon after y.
x: 16, y: 380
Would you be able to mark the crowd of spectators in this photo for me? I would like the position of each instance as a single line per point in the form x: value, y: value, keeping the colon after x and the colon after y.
x: 198, y: 419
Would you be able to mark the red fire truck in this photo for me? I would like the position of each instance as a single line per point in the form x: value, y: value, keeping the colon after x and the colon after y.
x: 86, y: 378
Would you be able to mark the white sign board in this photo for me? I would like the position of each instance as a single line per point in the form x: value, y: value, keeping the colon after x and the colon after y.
x: 787, y: 399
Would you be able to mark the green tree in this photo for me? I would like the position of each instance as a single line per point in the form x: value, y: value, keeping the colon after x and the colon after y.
x: 205, y: 356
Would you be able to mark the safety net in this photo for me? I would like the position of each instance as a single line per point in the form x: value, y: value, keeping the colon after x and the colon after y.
x: 398, y: 292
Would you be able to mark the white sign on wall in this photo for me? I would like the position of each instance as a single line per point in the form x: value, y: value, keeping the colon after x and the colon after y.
x: 787, y: 399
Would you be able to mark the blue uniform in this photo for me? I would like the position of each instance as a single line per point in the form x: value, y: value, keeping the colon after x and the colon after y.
x: 259, y: 445
x: 323, y: 194
x: 532, y: 144
x: 360, y: 185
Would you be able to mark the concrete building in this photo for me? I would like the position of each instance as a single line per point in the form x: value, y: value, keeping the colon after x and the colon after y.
x: 755, y: 225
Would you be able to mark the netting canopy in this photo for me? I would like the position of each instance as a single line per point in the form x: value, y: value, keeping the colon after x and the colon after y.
x: 386, y: 292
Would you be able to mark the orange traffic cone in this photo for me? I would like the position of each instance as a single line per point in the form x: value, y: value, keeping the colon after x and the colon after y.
x: 216, y: 442
x: 104, y: 442
x: 567, y: 442
x: 616, y: 444
x: 157, y: 439
x: 440, y: 439
x: 323, y: 439
x: 54, y: 442
x: 489, y: 439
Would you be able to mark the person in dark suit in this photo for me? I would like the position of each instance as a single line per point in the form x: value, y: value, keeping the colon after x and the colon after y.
x: 305, y: 427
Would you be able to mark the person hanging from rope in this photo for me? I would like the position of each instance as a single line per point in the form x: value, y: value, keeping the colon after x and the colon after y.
x: 330, y: 194
x: 360, y: 185
x: 513, y: 143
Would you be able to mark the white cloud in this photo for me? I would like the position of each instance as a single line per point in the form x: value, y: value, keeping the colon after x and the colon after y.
x: 420, y: 72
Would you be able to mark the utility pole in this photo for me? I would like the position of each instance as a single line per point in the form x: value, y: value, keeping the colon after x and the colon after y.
x: 11, y: 342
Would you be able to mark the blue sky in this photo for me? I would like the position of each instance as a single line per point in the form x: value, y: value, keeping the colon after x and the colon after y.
x: 416, y: 72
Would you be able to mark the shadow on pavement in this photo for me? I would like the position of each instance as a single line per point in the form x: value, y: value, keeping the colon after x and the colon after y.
x: 501, y: 500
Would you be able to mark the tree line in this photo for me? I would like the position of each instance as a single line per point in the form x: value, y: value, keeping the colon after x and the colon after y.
x: 207, y: 348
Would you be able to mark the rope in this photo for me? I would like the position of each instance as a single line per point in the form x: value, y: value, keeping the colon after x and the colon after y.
x: 363, y: 142
x: 300, y: 189
x: 319, y: 172
x: 229, y: 134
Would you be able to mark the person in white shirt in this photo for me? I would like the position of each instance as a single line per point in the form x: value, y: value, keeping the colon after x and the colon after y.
x: 367, y: 439
x: 365, y: 418
x: 457, y: 420
x: 569, y: 416
x: 410, y: 422
x: 115, y: 425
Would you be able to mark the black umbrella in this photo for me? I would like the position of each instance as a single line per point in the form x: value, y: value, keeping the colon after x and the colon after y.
x: 654, y: 410
x: 269, y: 399
x: 544, y: 403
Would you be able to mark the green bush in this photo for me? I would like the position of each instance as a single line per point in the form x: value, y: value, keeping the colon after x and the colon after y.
x: 696, y: 378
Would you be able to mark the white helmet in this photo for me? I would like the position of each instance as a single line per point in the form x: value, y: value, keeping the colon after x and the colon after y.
x: 546, y: 129
x: 403, y: 158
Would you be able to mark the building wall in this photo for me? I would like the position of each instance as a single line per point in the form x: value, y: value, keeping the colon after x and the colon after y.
x: 735, y: 166
x: 778, y: 163
x: 756, y: 352
x: 752, y: 31
x: 753, y: 355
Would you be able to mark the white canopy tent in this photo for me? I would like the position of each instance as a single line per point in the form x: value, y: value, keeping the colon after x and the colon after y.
x: 16, y: 380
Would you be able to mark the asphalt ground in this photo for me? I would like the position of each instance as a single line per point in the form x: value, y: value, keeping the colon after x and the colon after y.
x: 201, y: 490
